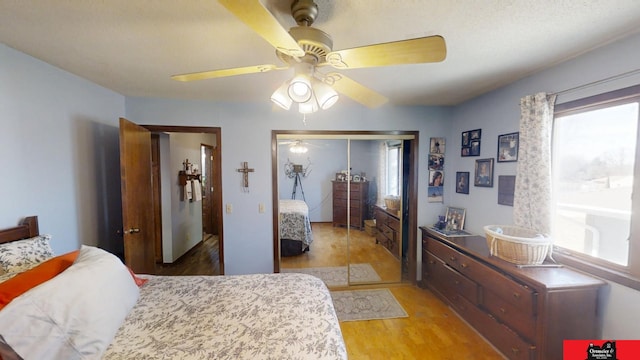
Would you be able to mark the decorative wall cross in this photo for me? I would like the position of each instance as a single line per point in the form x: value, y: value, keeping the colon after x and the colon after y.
x: 245, y: 174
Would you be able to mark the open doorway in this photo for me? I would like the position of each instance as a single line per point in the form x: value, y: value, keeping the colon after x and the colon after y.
x: 187, y: 228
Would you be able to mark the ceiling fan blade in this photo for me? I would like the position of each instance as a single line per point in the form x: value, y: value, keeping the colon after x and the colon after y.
x: 258, y: 18
x: 356, y: 91
x: 412, y: 51
x: 225, y: 72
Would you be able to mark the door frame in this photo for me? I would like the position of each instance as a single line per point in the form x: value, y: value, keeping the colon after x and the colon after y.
x: 217, y: 169
x: 412, y: 191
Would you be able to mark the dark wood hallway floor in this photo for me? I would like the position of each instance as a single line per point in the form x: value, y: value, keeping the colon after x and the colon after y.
x: 202, y: 259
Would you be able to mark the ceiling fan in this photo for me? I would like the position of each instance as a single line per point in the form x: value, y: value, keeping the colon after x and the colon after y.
x: 297, y: 146
x: 307, y: 49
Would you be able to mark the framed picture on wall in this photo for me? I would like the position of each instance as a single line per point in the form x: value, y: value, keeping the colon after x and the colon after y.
x: 462, y: 182
x: 436, y: 178
x: 474, y: 150
x: 508, y: 147
x: 437, y: 145
x: 484, y: 173
x: 436, y: 161
x: 465, y: 138
x: 475, y: 134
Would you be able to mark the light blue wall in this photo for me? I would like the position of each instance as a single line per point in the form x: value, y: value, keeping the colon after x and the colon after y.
x: 498, y: 112
x: 327, y: 157
x: 59, y: 153
x: 246, y: 136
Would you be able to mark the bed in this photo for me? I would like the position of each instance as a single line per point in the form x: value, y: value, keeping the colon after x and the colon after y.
x: 95, y: 307
x: 295, y: 227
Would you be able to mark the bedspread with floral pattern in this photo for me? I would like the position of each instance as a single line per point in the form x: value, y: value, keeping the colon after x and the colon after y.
x: 294, y: 222
x: 262, y: 316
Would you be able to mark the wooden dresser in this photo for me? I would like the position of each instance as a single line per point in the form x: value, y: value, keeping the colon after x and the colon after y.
x: 358, y: 195
x: 524, y: 312
x: 388, y: 226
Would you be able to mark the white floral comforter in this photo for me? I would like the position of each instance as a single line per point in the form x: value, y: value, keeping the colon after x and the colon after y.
x: 294, y: 222
x: 264, y: 316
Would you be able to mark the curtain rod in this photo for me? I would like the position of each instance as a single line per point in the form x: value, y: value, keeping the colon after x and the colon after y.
x: 598, y: 82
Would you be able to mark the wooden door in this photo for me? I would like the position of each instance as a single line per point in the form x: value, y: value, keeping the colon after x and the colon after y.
x: 207, y: 190
x: 157, y: 196
x: 137, y: 197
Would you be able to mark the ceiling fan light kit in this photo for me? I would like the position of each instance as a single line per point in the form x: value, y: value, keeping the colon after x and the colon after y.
x: 298, y: 148
x: 307, y: 49
x: 325, y: 94
x: 281, y: 98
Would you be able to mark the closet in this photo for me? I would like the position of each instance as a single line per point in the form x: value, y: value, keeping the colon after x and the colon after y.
x: 347, y: 176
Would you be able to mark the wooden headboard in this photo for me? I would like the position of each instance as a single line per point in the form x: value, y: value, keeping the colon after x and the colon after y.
x: 28, y: 228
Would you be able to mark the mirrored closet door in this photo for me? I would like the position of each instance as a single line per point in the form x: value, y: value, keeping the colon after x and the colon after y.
x: 340, y: 206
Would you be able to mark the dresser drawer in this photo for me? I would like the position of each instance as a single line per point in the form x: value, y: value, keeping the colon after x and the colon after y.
x: 381, y: 238
x: 517, y: 294
x: 452, y: 281
x: 340, y: 186
x: 522, y: 322
x: 340, y: 195
x: 520, y: 296
x: 393, y: 223
x: 394, y: 247
x: 503, y: 338
x: 388, y: 233
x: 445, y: 253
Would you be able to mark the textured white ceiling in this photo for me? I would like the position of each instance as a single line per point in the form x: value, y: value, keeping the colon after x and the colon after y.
x: 133, y: 46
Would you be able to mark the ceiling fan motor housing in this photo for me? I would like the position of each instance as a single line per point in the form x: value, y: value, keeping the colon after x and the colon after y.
x: 314, y: 42
x: 304, y: 12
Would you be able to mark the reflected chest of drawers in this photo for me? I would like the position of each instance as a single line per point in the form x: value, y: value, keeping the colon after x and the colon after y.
x: 525, y: 312
x: 388, y: 229
x: 357, y: 195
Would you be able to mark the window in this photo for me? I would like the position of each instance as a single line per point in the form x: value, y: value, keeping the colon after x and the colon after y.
x: 394, y: 167
x: 594, y: 160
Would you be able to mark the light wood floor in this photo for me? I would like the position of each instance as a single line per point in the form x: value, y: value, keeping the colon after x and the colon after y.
x: 432, y: 330
x: 329, y: 248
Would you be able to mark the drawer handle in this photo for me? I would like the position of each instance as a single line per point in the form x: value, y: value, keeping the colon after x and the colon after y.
x: 516, y: 295
x: 515, y: 350
x: 503, y: 310
x: 464, y: 265
x: 432, y: 262
x: 452, y: 258
x: 456, y: 282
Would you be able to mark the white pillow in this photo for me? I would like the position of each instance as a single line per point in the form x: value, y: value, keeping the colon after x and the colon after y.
x: 7, y: 276
x: 74, y: 315
x: 21, y: 255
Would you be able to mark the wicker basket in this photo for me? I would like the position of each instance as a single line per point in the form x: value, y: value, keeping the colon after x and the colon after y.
x: 517, y: 245
x: 392, y: 203
x: 370, y: 227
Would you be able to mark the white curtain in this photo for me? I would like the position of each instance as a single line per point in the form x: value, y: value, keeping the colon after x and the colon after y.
x: 382, y: 172
x: 532, y: 198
